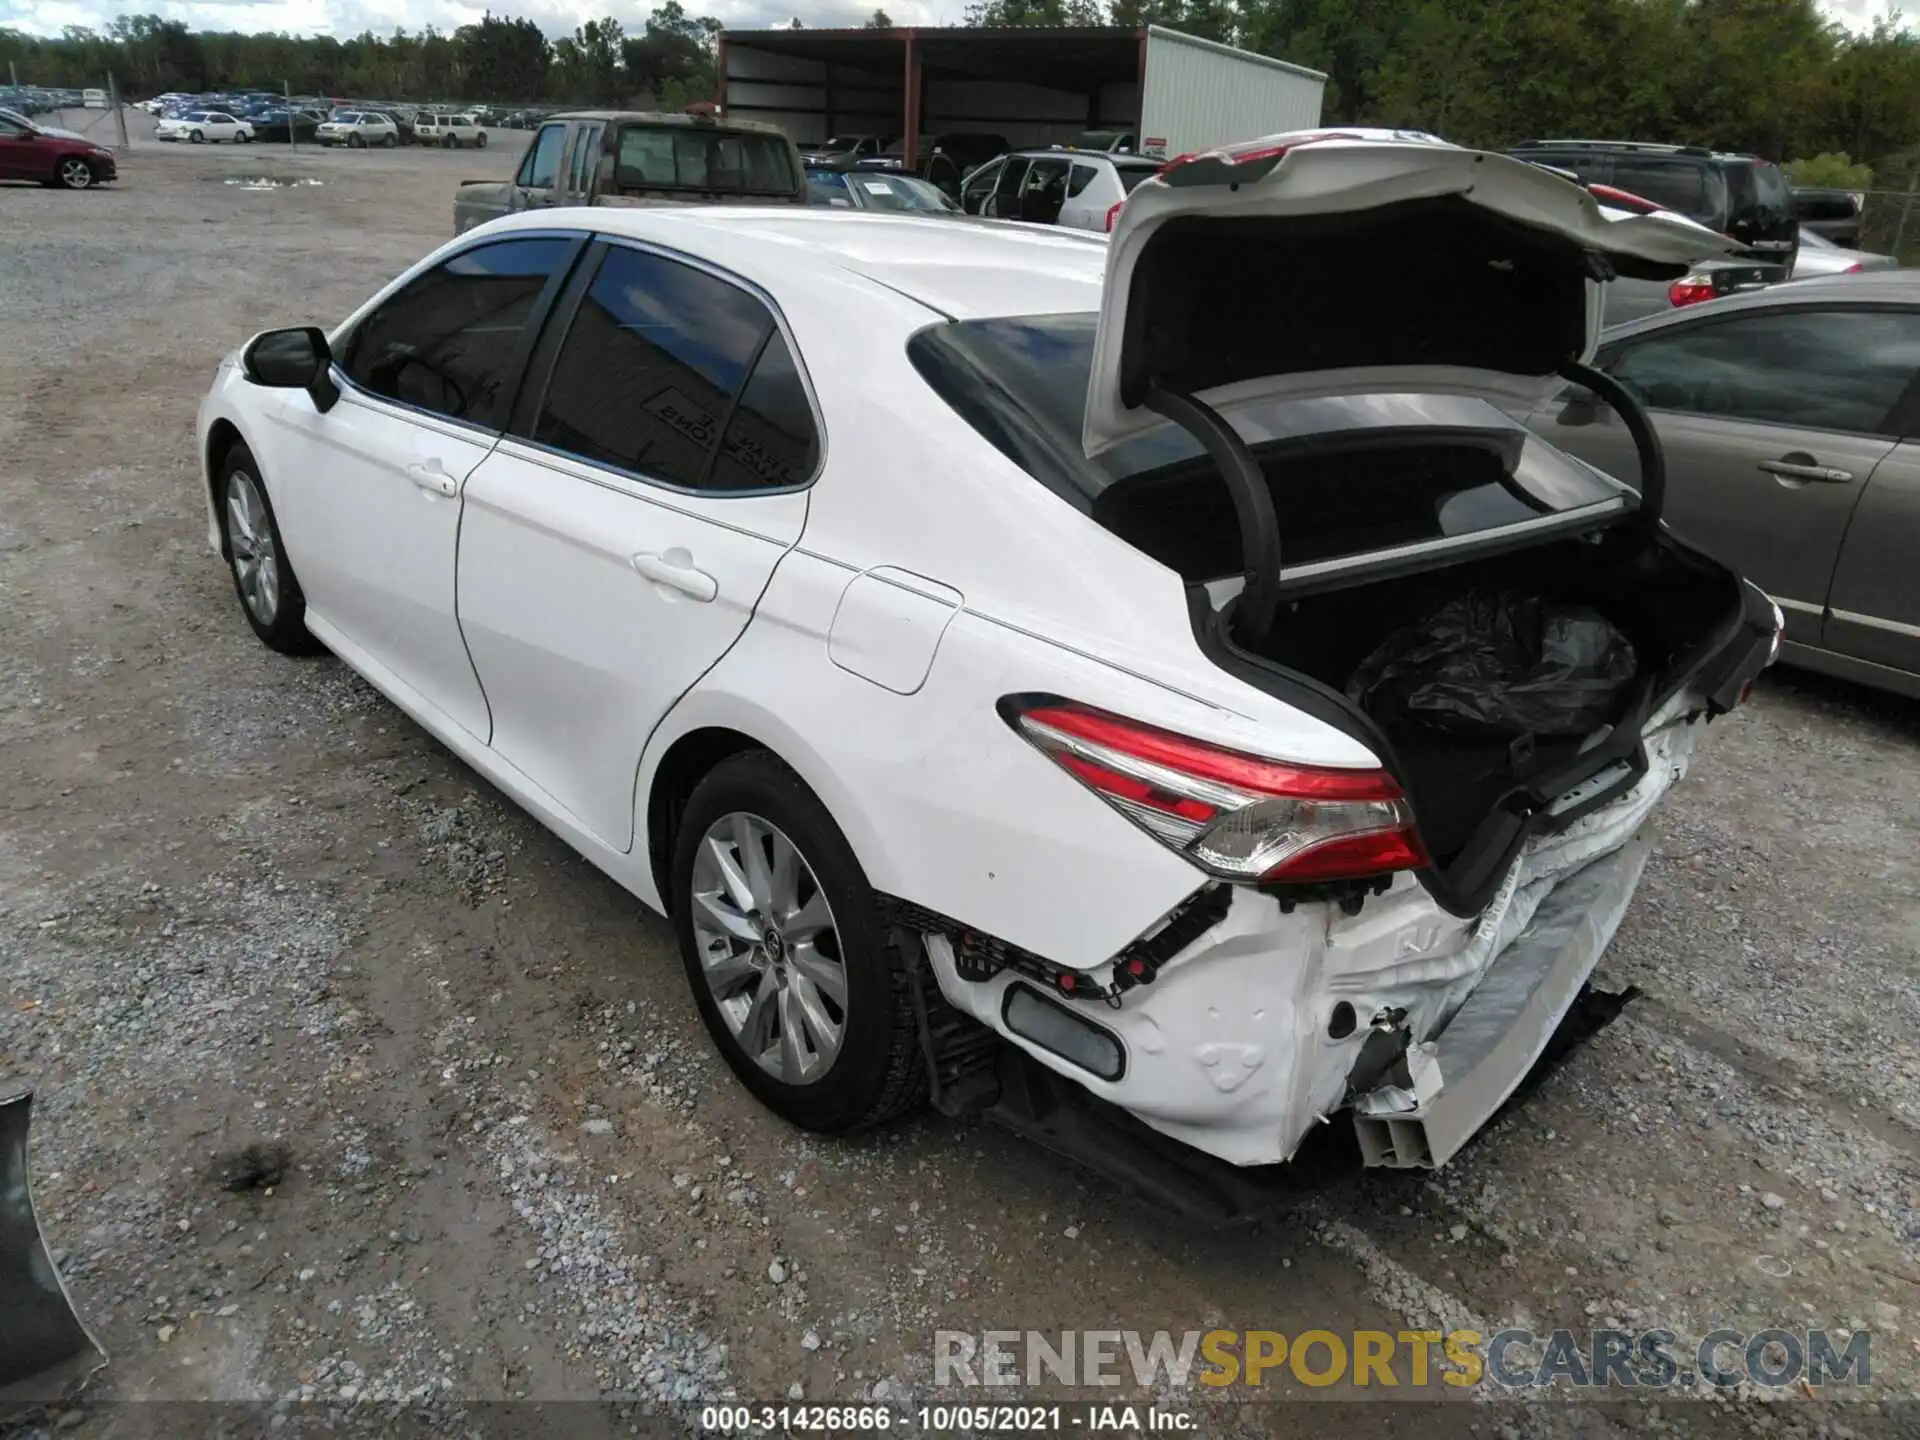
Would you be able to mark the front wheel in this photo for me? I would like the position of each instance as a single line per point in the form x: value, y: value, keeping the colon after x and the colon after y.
x: 354, y: 142
x: 198, y: 138
x: 75, y: 173
x: 243, y: 138
x: 792, y: 967
x: 262, y: 576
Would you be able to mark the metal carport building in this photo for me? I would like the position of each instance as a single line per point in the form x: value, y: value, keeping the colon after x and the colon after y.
x: 1034, y: 85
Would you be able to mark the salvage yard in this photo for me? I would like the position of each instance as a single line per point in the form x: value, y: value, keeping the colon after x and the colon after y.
x: 244, y: 899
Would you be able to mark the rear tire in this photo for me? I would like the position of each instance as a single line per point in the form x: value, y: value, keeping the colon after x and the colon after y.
x: 388, y: 141
x: 480, y: 141
x: 875, y: 1070
x: 263, y: 578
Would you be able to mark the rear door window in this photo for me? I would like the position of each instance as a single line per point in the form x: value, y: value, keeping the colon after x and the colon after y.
x: 1826, y: 369
x: 646, y: 379
x: 450, y: 342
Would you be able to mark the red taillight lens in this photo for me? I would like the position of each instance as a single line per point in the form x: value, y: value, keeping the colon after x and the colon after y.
x: 1854, y: 269
x: 1236, y: 816
x: 1113, y: 214
x: 1690, y: 290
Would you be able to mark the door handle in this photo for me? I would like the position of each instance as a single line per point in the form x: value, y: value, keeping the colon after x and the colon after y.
x: 1799, y: 466
x: 432, y: 479
x: 675, y: 570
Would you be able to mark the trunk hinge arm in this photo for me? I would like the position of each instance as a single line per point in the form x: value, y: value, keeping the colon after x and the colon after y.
x: 1254, y: 610
x: 1646, y: 443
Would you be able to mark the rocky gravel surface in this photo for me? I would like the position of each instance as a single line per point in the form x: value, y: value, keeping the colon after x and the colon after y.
x: 495, y: 1169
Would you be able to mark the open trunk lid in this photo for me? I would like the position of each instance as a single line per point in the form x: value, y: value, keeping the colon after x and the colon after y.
x: 1358, y: 261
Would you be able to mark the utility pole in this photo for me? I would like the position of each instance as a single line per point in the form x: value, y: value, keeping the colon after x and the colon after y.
x: 119, y: 114
x: 293, y: 131
x: 13, y: 75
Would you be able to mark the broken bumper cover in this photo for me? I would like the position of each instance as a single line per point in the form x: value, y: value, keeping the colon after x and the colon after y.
x: 1254, y: 1033
x: 45, y: 1352
x: 1479, y: 1059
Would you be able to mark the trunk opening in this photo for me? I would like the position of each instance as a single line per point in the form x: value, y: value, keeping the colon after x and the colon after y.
x: 1467, y: 791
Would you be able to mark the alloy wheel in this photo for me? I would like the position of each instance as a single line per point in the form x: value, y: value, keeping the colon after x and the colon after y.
x: 76, y: 174
x: 256, y: 564
x: 769, y: 948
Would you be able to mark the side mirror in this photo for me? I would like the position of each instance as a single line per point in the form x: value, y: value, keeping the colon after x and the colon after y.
x: 296, y: 359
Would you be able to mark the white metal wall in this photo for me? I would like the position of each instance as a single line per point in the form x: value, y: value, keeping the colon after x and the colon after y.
x: 1199, y: 94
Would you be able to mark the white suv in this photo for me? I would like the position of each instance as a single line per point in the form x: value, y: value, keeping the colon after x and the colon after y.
x: 449, y: 130
x: 358, y: 129
x: 1081, y: 189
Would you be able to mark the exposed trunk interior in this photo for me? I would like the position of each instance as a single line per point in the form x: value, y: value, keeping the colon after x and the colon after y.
x: 1671, y: 606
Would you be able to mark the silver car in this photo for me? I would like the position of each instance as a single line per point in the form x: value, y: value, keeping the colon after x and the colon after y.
x: 1820, y: 256
x: 1790, y: 418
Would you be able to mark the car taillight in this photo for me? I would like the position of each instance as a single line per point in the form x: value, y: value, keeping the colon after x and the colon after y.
x: 1690, y: 290
x: 1236, y: 816
x: 1854, y: 269
x: 1113, y: 214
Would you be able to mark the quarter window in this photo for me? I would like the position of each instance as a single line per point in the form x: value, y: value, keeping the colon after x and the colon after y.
x: 647, y: 377
x: 450, y: 341
x: 1081, y: 177
x: 1815, y: 369
x: 541, y: 169
x: 770, y: 441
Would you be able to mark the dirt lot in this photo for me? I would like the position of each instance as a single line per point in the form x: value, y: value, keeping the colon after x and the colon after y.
x: 244, y: 898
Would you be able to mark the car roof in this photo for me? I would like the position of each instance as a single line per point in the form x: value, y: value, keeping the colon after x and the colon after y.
x: 1869, y: 287
x: 963, y: 268
x: 1638, y: 147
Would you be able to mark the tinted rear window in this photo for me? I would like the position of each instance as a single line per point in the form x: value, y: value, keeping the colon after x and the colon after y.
x: 675, y: 158
x: 1688, y: 186
x: 1132, y: 175
x: 1022, y: 383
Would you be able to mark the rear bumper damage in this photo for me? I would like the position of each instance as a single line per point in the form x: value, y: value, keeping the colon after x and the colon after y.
x: 1278, y: 1019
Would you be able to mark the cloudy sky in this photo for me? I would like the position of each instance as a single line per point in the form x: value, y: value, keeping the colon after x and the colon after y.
x: 351, y: 17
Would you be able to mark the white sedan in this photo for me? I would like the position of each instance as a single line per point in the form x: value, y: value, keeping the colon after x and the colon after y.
x: 203, y: 127
x: 974, y: 684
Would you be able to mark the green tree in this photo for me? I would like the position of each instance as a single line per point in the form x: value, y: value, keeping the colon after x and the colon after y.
x: 879, y: 20
x: 501, y: 59
x: 1830, y: 171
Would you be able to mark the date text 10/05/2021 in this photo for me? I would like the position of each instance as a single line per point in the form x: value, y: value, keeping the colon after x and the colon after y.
x: 795, y: 1418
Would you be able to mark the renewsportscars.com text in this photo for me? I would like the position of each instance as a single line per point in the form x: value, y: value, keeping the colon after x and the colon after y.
x: 1509, y: 1359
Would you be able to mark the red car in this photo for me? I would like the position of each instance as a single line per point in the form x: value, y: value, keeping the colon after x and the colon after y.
x: 29, y: 153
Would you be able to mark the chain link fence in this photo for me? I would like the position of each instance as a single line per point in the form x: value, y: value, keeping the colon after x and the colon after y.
x: 1890, y: 224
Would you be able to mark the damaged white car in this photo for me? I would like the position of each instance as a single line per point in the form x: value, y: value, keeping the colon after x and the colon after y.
x: 1144, y: 692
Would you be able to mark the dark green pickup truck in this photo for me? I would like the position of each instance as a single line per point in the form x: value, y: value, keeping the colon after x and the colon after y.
x: 624, y: 157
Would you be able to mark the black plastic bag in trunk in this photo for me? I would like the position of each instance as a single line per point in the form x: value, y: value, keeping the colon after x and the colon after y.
x: 1499, y: 663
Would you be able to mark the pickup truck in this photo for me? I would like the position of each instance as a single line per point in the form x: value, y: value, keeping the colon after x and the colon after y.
x: 614, y: 157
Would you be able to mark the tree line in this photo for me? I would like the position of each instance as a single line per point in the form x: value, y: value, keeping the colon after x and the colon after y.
x: 1768, y: 76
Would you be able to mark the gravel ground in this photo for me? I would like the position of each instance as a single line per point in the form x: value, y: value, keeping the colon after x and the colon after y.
x: 245, y: 901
